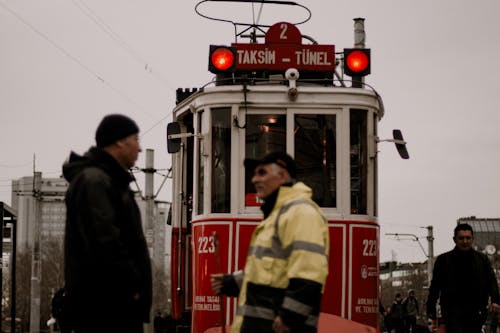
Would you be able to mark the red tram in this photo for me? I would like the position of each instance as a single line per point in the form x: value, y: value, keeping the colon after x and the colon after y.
x: 277, y: 95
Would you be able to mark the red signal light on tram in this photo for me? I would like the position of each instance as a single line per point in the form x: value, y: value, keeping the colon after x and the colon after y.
x: 221, y: 59
x: 357, y: 62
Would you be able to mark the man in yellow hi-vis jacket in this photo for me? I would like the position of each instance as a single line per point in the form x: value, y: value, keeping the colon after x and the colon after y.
x: 281, y: 286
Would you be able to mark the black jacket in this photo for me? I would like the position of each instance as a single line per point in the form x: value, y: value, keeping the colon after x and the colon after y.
x: 463, y: 281
x: 107, y: 265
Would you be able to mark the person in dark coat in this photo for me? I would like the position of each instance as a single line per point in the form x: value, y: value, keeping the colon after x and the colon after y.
x: 107, y: 265
x: 463, y: 281
x: 411, y: 311
x: 397, y: 315
x: 158, y: 323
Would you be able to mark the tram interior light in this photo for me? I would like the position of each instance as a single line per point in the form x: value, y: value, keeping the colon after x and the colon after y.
x: 221, y: 59
x: 357, y: 62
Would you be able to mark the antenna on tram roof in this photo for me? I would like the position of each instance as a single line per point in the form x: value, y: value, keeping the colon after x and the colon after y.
x: 247, y: 29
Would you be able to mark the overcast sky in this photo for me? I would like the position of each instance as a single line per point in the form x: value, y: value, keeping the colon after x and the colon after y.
x: 65, y: 64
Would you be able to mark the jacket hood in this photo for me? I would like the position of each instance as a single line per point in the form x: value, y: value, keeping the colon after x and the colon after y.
x: 94, y: 157
x: 73, y: 165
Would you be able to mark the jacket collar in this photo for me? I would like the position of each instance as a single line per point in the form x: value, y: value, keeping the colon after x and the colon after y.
x: 283, y: 194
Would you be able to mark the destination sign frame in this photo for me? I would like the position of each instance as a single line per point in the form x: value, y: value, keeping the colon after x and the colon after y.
x: 283, y: 49
x: 282, y: 57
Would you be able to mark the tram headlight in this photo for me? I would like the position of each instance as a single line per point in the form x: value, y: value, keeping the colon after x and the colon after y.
x: 221, y: 59
x: 357, y: 62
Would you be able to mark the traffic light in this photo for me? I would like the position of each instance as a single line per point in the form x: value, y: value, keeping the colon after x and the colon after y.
x: 221, y: 59
x: 357, y: 62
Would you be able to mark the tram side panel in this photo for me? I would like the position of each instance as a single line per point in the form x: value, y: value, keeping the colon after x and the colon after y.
x: 364, y: 273
x: 334, y: 297
x: 351, y: 290
x: 212, y: 254
x: 220, y: 245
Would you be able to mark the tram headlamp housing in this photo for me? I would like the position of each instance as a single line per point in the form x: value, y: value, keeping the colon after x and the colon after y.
x: 357, y: 62
x: 221, y: 59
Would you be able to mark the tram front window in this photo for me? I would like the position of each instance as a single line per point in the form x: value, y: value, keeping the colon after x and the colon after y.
x: 265, y: 133
x: 316, y: 156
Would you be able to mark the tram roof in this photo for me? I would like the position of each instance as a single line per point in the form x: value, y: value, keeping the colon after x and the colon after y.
x: 270, y: 94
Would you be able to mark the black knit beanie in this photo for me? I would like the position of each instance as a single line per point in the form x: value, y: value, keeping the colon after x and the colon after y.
x: 114, y: 127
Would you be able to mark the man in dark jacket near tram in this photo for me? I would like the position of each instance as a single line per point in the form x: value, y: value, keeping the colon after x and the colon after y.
x: 107, y: 265
x: 281, y: 286
x: 463, y: 280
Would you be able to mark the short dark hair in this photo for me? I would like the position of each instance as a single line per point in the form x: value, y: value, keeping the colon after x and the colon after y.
x: 462, y: 227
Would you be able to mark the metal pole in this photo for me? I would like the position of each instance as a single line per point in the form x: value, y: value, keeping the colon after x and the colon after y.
x: 359, y: 33
x: 430, y: 258
x: 149, y: 172
x: 179, y: 234
x: 36, y: 256
x: 13, y: 276
x: 359, y: 43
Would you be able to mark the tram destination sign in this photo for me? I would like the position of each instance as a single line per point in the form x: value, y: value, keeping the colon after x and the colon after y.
x: 283, y: 49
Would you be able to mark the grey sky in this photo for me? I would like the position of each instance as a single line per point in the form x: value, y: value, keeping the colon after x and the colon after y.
x: 65, y: 64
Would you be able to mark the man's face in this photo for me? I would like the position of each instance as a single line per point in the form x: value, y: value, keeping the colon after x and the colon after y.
x: 268, y: 178
x: 130, y: 150
x: 463, y: 240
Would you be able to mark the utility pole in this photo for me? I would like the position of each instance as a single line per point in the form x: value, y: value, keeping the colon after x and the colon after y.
x: 149, y: 171
x: 430, y: 257
x: 36, y: 268
x: 152, y: 228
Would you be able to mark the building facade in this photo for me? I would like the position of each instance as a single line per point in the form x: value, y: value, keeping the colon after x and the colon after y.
x: 486, y: 233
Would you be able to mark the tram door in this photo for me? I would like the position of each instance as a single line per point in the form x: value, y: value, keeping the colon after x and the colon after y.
x: 182, y: 209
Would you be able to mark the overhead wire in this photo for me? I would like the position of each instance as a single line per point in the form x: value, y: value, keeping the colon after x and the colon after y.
x: 260, y: 13
x: 116, y: 37
x: 101, y: 23
x: 75, y: 59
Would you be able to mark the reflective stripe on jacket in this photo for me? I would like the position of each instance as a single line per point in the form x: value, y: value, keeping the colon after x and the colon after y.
x: 286, y: 267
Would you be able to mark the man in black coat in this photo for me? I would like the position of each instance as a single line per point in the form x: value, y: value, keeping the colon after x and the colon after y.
x: 107, y: 264
x: 463, y: 280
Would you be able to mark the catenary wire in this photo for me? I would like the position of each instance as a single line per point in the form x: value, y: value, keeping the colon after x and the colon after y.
x: 99, y: 21
x: 76, y: 60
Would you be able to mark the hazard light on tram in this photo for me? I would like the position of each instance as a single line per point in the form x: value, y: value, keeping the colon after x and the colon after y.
x: 221, y: 59
x: 357, y: 62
